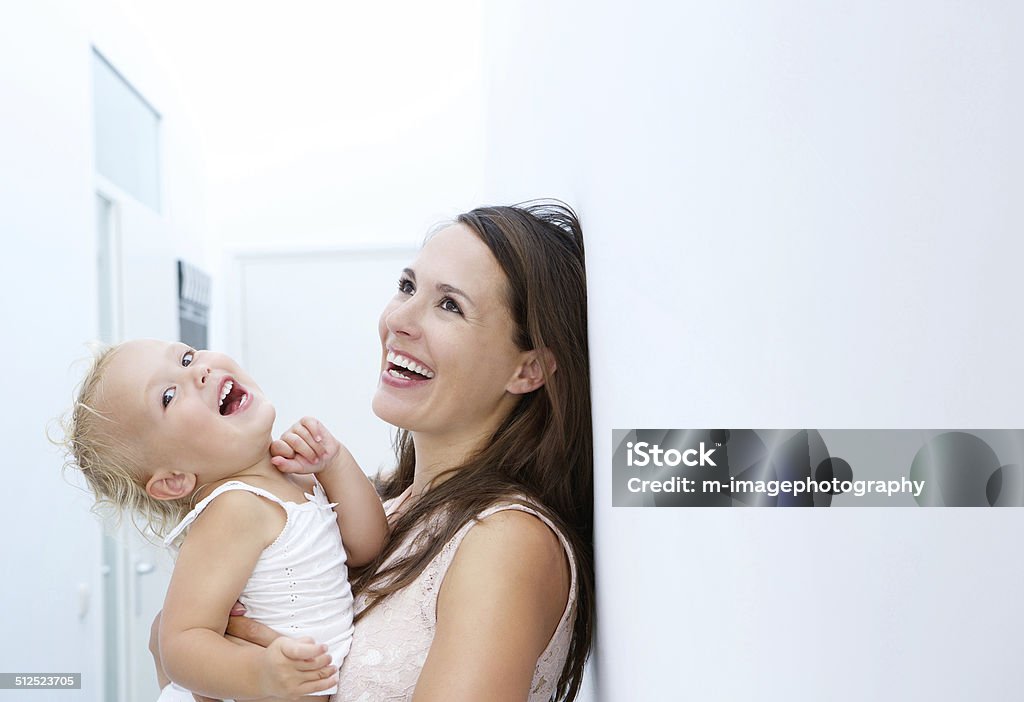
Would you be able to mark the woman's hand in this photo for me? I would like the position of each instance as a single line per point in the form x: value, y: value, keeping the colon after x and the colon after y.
x: 241, y: 627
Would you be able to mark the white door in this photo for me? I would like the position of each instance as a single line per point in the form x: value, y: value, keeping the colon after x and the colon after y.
x: 137, y: 297
x: 309, y: 337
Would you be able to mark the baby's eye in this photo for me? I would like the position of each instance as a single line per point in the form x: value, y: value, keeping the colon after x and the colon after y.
x: 450, y: 305
x: 186, y: 360
x: 405, y: 285
x: 168, y: 396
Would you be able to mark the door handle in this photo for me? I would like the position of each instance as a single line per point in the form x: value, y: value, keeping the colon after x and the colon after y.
x: 141, y: 568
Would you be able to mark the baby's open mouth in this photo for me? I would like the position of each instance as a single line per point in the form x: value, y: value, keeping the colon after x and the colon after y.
x: 232, y: 397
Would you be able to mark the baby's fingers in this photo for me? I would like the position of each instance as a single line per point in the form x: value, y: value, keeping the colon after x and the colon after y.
x: 324, y: 438
x: 306, y: 430
x: 324, y: 679
x: 312, y: 664
x: 280, y: 448
x: 290, y: 465
x: 316, y: 428
x: 301, y: 649
x: 299, y: 444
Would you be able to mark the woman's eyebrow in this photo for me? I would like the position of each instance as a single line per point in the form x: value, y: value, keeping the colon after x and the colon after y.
x: 444, y: 288
x: 448, y: 289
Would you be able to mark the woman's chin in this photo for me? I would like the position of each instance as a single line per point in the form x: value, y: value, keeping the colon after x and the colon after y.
x: 388, y: 410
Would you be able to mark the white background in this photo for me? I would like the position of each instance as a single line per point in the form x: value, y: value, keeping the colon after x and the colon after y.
x: 797, y: 215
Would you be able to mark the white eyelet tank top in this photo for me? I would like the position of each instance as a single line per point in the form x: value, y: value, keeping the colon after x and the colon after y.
x: 299, y: 586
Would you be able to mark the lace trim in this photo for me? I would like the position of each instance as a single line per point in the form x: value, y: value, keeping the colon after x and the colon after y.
x: 391, y: 643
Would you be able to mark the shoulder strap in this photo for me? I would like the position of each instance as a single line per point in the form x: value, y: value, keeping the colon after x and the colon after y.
x: 220, y: 490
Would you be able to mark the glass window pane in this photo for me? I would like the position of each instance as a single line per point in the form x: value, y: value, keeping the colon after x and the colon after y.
x: 127, y: 127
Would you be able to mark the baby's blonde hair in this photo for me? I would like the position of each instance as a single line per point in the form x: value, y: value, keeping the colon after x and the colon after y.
x: 110, y: 463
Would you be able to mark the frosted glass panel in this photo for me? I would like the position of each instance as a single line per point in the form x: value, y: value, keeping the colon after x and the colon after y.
x: 127, y: 127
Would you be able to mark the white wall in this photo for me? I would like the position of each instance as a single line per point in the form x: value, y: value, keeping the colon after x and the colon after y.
x: 329, y: 123
x: 323, y: 126
x: 806, y: 213
x: 308, y: 338
x: 797, y: 215
x: 49, y: 540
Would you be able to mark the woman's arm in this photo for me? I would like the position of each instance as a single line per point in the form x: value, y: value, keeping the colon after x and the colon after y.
x: 499, y: 604
x: 215, y: 562
x: 308, y: 447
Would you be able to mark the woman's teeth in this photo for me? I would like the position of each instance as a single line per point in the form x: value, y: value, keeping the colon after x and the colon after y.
x: 403, y: 362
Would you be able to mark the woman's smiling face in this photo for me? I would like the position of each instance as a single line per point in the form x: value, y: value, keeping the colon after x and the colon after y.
x: 448, y: 361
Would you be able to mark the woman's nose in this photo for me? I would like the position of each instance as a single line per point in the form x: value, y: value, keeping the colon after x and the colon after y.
x: 403, y: 318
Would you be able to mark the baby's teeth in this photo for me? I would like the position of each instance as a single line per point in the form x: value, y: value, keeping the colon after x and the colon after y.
x: 224, y: 393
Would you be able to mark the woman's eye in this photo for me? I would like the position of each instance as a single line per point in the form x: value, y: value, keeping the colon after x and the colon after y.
x: 186, y: 360
x: 450, y: 305
x: 405, y: 285
x: 168, y: 396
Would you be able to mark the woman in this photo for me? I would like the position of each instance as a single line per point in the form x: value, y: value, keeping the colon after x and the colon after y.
x: 485, y: 587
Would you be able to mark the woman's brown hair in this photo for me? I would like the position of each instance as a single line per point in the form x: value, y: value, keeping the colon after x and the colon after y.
x: 542, y: 453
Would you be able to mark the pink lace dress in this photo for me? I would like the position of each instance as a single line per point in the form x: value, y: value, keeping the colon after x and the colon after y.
x: 391, y: 643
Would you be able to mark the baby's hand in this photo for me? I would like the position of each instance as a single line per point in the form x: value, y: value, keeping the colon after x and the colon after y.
x: 294, y: 667
x: 305, y: 448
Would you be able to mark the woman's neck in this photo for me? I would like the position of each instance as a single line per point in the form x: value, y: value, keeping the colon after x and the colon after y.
x: 436, y: 455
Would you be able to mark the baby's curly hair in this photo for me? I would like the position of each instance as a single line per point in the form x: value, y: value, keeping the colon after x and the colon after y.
x: 111, y: 465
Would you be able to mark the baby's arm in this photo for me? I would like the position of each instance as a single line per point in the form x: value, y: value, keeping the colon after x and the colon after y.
x: 309, y: 448
x: 216, y: 560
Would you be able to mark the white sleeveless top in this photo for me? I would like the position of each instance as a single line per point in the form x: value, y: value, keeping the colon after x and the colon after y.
x: 391, y: 642
x: 299, y: 586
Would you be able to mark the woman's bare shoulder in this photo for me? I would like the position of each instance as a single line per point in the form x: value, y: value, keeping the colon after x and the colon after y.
x: 520, y: 532
x: 524, y: 558
x: 499, y: 604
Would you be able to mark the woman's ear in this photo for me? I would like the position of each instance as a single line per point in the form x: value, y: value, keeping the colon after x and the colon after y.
x: 170, y: 485
x: 530, y: 373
